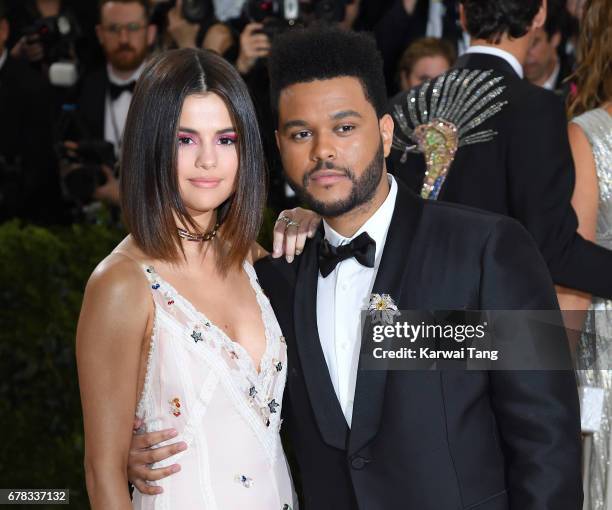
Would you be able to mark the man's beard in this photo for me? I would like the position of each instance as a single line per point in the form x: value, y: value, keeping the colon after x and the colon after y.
x: 127, y: 58
x: 362, y: 191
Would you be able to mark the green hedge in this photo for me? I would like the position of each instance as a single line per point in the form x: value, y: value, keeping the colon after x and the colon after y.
x: 42, y: 276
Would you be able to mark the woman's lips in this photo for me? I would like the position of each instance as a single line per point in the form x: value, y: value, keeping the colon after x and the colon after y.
x: 205, y: 183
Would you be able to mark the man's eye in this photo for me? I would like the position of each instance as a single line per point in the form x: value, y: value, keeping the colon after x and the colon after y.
x: 346, y: 128
x: 300, y: 135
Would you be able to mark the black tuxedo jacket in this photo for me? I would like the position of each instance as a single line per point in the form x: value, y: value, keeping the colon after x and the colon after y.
x: 422, y: 439
x: 92, y: 103
x: 526, y: 172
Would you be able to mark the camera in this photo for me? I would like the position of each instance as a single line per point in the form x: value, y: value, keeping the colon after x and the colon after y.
x: 82, y: 173
x: 295, y: 12
x: 56, y: 34
x: 194, y: 11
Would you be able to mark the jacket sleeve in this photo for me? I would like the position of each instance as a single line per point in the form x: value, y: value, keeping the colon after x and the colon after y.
x: 541, y: 182
x: 537, y: 412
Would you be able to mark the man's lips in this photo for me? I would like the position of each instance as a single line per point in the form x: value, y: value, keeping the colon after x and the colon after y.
x: 201, y: 182
x: 327, y: 177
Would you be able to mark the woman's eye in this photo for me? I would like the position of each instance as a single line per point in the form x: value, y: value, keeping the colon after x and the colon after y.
x: 227, y: 140
x: 185, y: 140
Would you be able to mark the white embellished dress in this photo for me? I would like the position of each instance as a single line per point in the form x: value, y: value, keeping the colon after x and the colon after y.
x: 595, y: 349
x: 201, y: 383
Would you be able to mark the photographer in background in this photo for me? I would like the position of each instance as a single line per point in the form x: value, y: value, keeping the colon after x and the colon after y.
x: 191, y: 24
x: 93, y: 132
x: 29, y: 184
x: 48, y: 32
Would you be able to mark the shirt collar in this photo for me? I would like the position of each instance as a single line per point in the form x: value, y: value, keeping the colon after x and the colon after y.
x: 376, y: 226
x: 3, y: 58
x: 113, y: 78
x: 552, y: 79
x: 498, y: 52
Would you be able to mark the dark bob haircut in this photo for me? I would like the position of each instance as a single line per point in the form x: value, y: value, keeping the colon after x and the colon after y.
x: 323, y: 53
x: 491, y: 19
x: 149, y: 184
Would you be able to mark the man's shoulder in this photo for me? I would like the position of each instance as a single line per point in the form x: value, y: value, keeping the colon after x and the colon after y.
x: 465, y: 222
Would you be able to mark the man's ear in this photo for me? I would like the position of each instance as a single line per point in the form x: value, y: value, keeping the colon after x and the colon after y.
x: 99, y: 33
x: 462, y: 18
x: 386, y: 125
x: 151, y: 33
x: 555, y: 40
x: 5, y: 31
x: 540, y: 17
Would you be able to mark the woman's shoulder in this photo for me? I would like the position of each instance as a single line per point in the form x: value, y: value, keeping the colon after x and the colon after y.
x: 121, y: 273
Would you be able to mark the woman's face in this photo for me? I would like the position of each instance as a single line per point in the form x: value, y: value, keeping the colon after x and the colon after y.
x: 207, y: 161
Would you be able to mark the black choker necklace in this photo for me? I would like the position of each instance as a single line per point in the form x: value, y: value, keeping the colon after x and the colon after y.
x: 198, y: 238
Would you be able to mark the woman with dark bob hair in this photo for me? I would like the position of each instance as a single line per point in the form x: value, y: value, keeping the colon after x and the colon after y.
x: 174, y: 327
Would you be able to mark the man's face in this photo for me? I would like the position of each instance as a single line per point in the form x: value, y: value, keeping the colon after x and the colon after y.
x: 124, y: 34
x: 542, y: 56
x: 332, y: 144
x: 425, y: 69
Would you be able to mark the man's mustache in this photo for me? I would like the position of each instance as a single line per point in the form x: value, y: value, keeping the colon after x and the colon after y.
x: 328, y: 165
x: 124, y: 47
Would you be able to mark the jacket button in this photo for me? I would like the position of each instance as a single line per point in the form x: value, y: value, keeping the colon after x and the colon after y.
x: 359, y: 463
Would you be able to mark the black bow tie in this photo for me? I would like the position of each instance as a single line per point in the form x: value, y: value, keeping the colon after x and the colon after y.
x: 116, y: 90
x: 363, y: 248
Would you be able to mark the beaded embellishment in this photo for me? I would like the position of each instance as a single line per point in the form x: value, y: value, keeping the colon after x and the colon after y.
x: 175, y: 406
x: 244, y: 480
x: 441, y: 117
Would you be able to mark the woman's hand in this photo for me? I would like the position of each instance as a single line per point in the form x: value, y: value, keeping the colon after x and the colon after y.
x: 291, y: 230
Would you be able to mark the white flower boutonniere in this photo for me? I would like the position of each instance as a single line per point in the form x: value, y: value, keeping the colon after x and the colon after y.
x: 382, y: 308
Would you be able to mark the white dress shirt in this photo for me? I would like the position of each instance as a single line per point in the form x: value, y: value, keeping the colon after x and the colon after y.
x: 508, y: 57
x: 115, y: 112
x: 342, y: 296
x: 3, y: 58
x: 552, y: 79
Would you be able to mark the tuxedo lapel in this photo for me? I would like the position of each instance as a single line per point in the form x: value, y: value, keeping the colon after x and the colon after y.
x: 323, y: 399
x: 370, y: 386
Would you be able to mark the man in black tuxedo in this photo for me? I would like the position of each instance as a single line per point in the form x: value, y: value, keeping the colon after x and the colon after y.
x: 400, y: 439
x: 525, y: 169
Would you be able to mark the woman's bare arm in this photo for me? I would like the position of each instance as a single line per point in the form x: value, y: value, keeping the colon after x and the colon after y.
x: 585, y: 201
x: 112, y: 327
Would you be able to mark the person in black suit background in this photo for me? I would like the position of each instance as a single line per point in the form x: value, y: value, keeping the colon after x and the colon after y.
x: 547, y: 64
x: 29, y: 180
x: 408, y: 20
x: 522, y: 165
x: 104, y: 95
x: 377, y: 439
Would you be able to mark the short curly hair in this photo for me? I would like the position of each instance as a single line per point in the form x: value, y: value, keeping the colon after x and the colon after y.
x: 322, y: 53
x: 491, y: 19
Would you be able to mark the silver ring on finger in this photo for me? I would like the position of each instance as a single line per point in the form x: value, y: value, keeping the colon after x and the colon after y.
x: 285, y: 219
x: 292, y: 223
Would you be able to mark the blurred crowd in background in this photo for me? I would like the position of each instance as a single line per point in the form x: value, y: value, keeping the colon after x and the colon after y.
x: 68, y: 68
